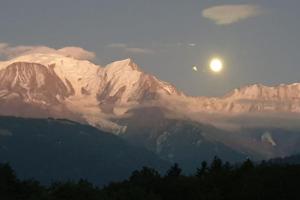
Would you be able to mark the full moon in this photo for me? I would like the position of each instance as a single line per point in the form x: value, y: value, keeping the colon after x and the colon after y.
x: 216, y: 65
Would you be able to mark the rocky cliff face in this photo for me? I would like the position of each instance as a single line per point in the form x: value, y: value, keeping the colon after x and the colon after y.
x: 33, y: 82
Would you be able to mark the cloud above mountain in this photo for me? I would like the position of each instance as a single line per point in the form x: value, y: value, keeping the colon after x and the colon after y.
x: 126, y: 48
x: 229, y: 14
x: 9, y: 51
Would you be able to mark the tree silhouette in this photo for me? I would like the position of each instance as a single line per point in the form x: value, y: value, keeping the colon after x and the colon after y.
x: 203, y: 170
x: 216, y: 165
x: 8, y: 181
x: 174, y: 171
x: 217, y: 181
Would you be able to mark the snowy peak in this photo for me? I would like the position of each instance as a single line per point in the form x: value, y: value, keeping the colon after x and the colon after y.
x: 125, y: 84
x: 81, y: 74
x: 122, y: 65
x: 119, y: 83
x: 124, y: 71
x: 282, y: 92
x: 70, y: 88
x: 257, y: 98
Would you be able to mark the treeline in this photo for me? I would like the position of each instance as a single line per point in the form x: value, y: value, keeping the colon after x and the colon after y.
x: 215, y: 181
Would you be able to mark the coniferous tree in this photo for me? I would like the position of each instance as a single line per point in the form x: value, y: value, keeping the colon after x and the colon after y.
x: 203, y: 170
x: 174, y: 171
x: 216, y: 165
x: 247, y: 165
x: 221, y: 181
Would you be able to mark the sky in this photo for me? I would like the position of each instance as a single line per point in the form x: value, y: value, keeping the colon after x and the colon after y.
x: 258, y: 40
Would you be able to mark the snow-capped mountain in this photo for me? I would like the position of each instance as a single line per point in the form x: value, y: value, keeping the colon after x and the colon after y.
x: 96, y: 94
x: 256, y: 98
x: 124, y: 85
x: 123, y: 99
x: 91, y: 92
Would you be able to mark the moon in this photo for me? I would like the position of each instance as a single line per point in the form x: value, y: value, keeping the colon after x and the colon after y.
x: 216, y: 65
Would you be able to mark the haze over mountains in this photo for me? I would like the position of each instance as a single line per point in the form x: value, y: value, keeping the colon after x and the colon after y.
x: 254, y: 121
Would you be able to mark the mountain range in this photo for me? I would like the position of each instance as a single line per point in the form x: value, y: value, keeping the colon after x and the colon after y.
x: 254, y: 121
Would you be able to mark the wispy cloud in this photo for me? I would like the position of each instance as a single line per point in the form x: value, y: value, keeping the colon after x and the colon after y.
x: 139, y: 50
x: 192, y: 44
x: 229, y: 14
x: 134, y: 50
x: 117, y: 45
x: 77, y: 52
x: 9, y: 51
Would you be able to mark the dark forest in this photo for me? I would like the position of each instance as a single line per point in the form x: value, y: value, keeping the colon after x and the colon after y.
x: 216, y: 180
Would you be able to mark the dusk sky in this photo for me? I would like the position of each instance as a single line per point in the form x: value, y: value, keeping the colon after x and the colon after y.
x: 258, y: 40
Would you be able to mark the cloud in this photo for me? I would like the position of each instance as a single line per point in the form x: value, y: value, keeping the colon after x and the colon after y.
x: 134, y: 50
x: 3, y: 46
x: 117, y: 45
x: 9, y: 51
x: 139, y: 50
x: 229, y: 14
x: 77, y: 52
x: 192, y: 44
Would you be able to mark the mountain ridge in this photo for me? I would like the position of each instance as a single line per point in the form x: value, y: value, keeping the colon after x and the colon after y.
x: 120, y: 95
x: 98, y: 94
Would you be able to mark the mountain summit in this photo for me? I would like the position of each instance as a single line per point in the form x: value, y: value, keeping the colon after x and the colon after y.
x: 59, y: 86
x: 122, y: 99
x: 43, y: 85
